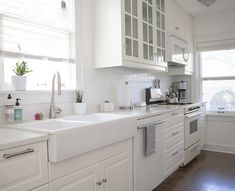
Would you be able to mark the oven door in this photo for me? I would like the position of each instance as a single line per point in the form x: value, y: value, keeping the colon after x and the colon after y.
x: 191, y: 130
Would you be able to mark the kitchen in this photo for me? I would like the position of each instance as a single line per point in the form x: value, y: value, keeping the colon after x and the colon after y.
x: 120, y: 52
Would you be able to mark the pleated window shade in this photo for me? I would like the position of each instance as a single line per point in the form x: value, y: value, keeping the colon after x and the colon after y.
x: 37, y: 30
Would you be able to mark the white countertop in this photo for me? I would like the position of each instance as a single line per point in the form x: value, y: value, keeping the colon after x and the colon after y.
x: 149, y: 111
x: 10, y: 138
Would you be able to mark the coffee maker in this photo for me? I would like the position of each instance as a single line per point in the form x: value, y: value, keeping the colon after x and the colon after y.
x: 180, y: 88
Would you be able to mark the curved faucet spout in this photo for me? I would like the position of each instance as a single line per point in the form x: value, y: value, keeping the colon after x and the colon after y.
x: 53, y: 109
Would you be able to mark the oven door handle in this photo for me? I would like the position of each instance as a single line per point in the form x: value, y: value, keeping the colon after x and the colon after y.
x: 193, y: 115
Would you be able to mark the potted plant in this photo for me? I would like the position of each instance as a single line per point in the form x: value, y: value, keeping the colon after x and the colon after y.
x: 79, y: 106
x: 19, y: 80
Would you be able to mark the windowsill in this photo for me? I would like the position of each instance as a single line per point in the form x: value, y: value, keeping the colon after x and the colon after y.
x: 225, y: 114
x: 33, y: 92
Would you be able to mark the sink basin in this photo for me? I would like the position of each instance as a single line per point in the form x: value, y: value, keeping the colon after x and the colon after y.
x: 75, y: 135
x: 50, y: 126
x: 94, y: 117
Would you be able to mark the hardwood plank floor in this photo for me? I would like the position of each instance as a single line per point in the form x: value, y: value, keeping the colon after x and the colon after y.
x: 210, y: 171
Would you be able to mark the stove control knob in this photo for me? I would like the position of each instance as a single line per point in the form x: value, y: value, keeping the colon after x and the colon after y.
x: 190, y: 109
x: 198, y: 107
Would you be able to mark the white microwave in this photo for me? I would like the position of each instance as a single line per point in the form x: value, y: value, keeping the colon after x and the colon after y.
x: 179, y: 52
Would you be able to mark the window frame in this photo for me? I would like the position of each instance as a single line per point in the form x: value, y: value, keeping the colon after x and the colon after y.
x: 201, y: 79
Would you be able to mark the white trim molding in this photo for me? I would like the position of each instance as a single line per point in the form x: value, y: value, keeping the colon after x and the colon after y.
x: 220, y: 148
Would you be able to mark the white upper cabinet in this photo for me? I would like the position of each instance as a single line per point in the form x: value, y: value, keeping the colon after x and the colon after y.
x: 130, y: 33
x: 180, y: 24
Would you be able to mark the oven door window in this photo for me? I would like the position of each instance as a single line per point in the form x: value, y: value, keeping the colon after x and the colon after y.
x: 193, y: 126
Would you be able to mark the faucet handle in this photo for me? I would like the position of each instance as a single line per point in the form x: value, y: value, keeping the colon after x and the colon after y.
x: 58, y: 110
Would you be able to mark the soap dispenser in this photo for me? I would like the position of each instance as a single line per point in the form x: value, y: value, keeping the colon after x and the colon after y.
x: 9, y: 109
x: 18, y: 111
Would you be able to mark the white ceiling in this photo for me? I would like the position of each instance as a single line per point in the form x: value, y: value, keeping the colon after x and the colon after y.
x: 196, y: 9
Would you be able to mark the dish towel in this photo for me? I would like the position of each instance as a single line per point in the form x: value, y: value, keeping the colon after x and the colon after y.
x: 149, y: 139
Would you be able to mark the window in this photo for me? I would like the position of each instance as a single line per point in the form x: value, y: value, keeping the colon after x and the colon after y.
x: 42, y: 34
x: 218, y: 79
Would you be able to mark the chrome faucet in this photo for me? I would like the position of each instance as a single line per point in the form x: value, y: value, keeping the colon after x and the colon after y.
x: 53, y: 109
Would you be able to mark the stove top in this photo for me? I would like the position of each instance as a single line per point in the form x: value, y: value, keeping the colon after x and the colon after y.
x: 177, y: 103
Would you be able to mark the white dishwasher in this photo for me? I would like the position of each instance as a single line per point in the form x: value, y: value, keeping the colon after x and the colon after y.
x: 148, y: 170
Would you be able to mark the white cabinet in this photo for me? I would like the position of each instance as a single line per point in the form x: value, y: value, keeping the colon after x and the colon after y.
x: 84, y: 180
x: 173, y: 144
x: 24, y: 168
x: 104, y: 169
x: 130, y: 33
x: 113, y: 174
x: 116, y: 173
x: 180, y: 24
x: 42, y: 188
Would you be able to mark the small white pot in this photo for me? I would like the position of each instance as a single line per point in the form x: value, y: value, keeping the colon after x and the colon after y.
x: 79, y: 108
x: 19, y: 82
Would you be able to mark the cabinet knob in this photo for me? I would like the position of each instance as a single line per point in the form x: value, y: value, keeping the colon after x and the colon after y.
x: 177, y: 28
x: 104, y: 180
x: 99, y: 183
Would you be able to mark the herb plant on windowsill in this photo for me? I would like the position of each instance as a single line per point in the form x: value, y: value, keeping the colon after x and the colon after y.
x: 19, y: 80
x: 79, y: 106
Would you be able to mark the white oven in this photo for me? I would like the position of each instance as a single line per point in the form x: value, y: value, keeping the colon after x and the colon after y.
x: 192, y: 129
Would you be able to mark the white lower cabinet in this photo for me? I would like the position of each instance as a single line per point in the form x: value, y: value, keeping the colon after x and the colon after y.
x: 84, y: 180
x: 110, y: 174
x: 42, y: 188
x: 24, y: 168
x: 116, y: 173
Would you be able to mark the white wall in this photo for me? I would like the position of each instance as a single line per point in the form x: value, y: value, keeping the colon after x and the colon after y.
x: 102, y: 84
x: 218, y: 26
x: 217, y: 30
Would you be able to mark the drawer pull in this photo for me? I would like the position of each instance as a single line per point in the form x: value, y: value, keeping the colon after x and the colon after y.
x: 29, y: 150
x: 104, y: 180
x: 175, y: 133
x: 175, y: 113
x: 175, y: 153
x: 99, y: 183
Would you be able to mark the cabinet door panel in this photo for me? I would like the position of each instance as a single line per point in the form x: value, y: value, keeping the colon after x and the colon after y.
x: 83, y: 180
x: 116, y: 173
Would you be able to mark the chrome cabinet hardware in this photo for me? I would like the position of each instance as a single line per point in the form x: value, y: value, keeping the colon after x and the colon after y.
x: 175, y: 153
x: 150, y: 124
x: 7, y: 156
x: 175, y: 133
x: 175, y: 113
x: 99, y: 183
x: 104, y: 180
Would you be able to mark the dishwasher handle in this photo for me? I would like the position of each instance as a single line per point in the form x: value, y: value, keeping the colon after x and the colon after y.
x: 150, y: 124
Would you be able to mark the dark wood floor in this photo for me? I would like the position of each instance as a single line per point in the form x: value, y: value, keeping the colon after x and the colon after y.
x: 210, y: 171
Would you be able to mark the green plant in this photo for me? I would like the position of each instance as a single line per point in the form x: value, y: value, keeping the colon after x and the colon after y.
x: 21, y: 69
x: 79, y: 96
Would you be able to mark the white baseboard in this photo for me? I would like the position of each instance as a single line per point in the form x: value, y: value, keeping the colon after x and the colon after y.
x: 220, y: 148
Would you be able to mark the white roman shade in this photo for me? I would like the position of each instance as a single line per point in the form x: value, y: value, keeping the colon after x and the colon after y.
x: 36, y: 29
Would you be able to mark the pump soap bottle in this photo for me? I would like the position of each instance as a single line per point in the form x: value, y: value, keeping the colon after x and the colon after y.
x: 9, y: 109
x: 18, y: 111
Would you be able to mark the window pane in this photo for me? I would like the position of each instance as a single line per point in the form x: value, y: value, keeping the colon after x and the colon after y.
x: 218, y: 63
x: 43, y: 71
x: 220, y: 94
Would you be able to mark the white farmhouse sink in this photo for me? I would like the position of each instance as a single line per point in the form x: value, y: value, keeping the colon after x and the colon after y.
x: 94, y: 117
x: 75, y: 135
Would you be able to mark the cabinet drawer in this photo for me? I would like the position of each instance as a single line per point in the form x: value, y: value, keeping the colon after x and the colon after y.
x: 173, y: 138
x: 175, y: 158
x: 23, y: 168
x: 175, y: 119
x: 168, y: 154
x: 173, y: 131
x: 172, y: 169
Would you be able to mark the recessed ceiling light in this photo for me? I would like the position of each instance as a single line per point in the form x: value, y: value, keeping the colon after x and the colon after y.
x: 207, y: 3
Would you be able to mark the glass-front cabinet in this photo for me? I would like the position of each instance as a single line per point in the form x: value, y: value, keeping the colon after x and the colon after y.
x: 130, y: 33
x: 153, y: 32
x: 131, y: 39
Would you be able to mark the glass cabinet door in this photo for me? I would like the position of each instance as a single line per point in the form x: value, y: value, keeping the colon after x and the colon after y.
x: 131, y: 28
x: 147, y: 22
x: 160, y: 55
